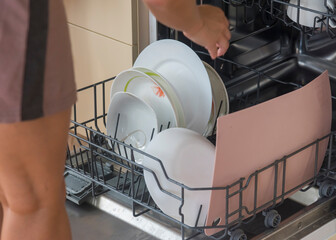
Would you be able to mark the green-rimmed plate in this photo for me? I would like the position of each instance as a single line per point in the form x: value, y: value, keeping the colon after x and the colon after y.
x: 150, y: 91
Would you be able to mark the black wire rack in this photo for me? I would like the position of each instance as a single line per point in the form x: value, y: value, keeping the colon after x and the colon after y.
x: 101, y: 163
x: 273, y: 10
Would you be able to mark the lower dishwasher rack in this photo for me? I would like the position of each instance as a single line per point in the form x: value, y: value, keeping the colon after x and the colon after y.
x: 97, y: 163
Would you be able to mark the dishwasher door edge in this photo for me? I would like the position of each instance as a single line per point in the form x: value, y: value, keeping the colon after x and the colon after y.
x: 143, y: 222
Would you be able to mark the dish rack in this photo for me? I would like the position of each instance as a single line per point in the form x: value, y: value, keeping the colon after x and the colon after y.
x: 97, y: 163
x: 276, y: 10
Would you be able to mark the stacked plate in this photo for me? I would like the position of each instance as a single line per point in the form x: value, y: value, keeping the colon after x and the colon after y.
x: 168, y: 87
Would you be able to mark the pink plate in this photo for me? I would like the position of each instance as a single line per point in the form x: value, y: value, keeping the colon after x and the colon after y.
x: 253, y: 138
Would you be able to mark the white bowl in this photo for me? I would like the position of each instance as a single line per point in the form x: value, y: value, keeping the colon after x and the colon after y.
x: 219, y: 94
x: 307, y: 18
x: 184, y: 70
x: 169, y: 92
x: 137, y: 121
x: 150, y: 91
x: 188, y: 158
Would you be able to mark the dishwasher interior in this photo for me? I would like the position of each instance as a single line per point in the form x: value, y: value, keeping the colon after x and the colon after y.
x: 269, y: 55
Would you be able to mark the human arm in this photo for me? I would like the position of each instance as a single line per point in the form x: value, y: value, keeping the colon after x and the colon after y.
x: 204, y: 24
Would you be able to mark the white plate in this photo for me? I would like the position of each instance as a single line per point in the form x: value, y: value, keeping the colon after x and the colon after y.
x: 169, y: 92
x: 188, y: 158
x: 219, y: 94
x: 184, y: 70
x: 308, y: 17
x: 136, y: 123
x: 150, y: 91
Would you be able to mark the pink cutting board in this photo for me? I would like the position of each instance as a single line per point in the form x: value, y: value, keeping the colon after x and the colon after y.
x: 255, y: 137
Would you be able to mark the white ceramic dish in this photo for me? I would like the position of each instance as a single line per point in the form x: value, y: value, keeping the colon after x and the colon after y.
x: 188, y: 158
x: 169, y: 92
x: 150, y: 91
x: 183, y: 69
x: 307, y: 18
x: 219, y: 94
x: 136, y: 122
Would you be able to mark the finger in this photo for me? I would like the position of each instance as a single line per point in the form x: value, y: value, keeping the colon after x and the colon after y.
x: 186, y: 34
x: 212, y: 51
x: 222, y: 47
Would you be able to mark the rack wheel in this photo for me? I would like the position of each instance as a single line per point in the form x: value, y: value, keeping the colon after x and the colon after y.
x: 272, y: 219
x: 326, y: 189
x: 238, y: 234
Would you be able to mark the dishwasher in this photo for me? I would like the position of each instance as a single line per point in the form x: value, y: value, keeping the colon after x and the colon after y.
x: 270, y: 55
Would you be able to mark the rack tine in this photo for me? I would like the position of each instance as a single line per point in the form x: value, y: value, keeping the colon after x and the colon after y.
x: 119, y: 151
x: 88, y: 158
x: 218, y: 112
x: 255, y: 189
x: 143, y: 194
x: 284, y: 176
x: 87, y: 133
x: 125, y: 181
x: 102, y: 169
x: 70, y: 158
x: 118, y: 179
x: 137, y: 188
x: 330, y: 151
x: 76, y: 159
x: 116, y: 130
x: 152, y: 134
x: 104, y: 105
x: 198, y: 215
x: 125, y: 150
x: 95, y: 107
x: 82, y: 160
x: 75, y: 117
x: 96, y: 167
x: 149, y: 199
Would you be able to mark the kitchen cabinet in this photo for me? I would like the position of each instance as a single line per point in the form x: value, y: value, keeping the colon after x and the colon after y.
x: 97, y: 57
x: 115, y: 19
x: 105, y: 39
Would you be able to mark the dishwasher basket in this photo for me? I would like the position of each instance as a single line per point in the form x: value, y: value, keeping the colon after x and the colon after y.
x: 94, y: 167
x: 276, y: 10
x: 97, y: 163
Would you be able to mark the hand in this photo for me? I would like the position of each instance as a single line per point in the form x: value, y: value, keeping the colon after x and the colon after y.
x: 213, y: 33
